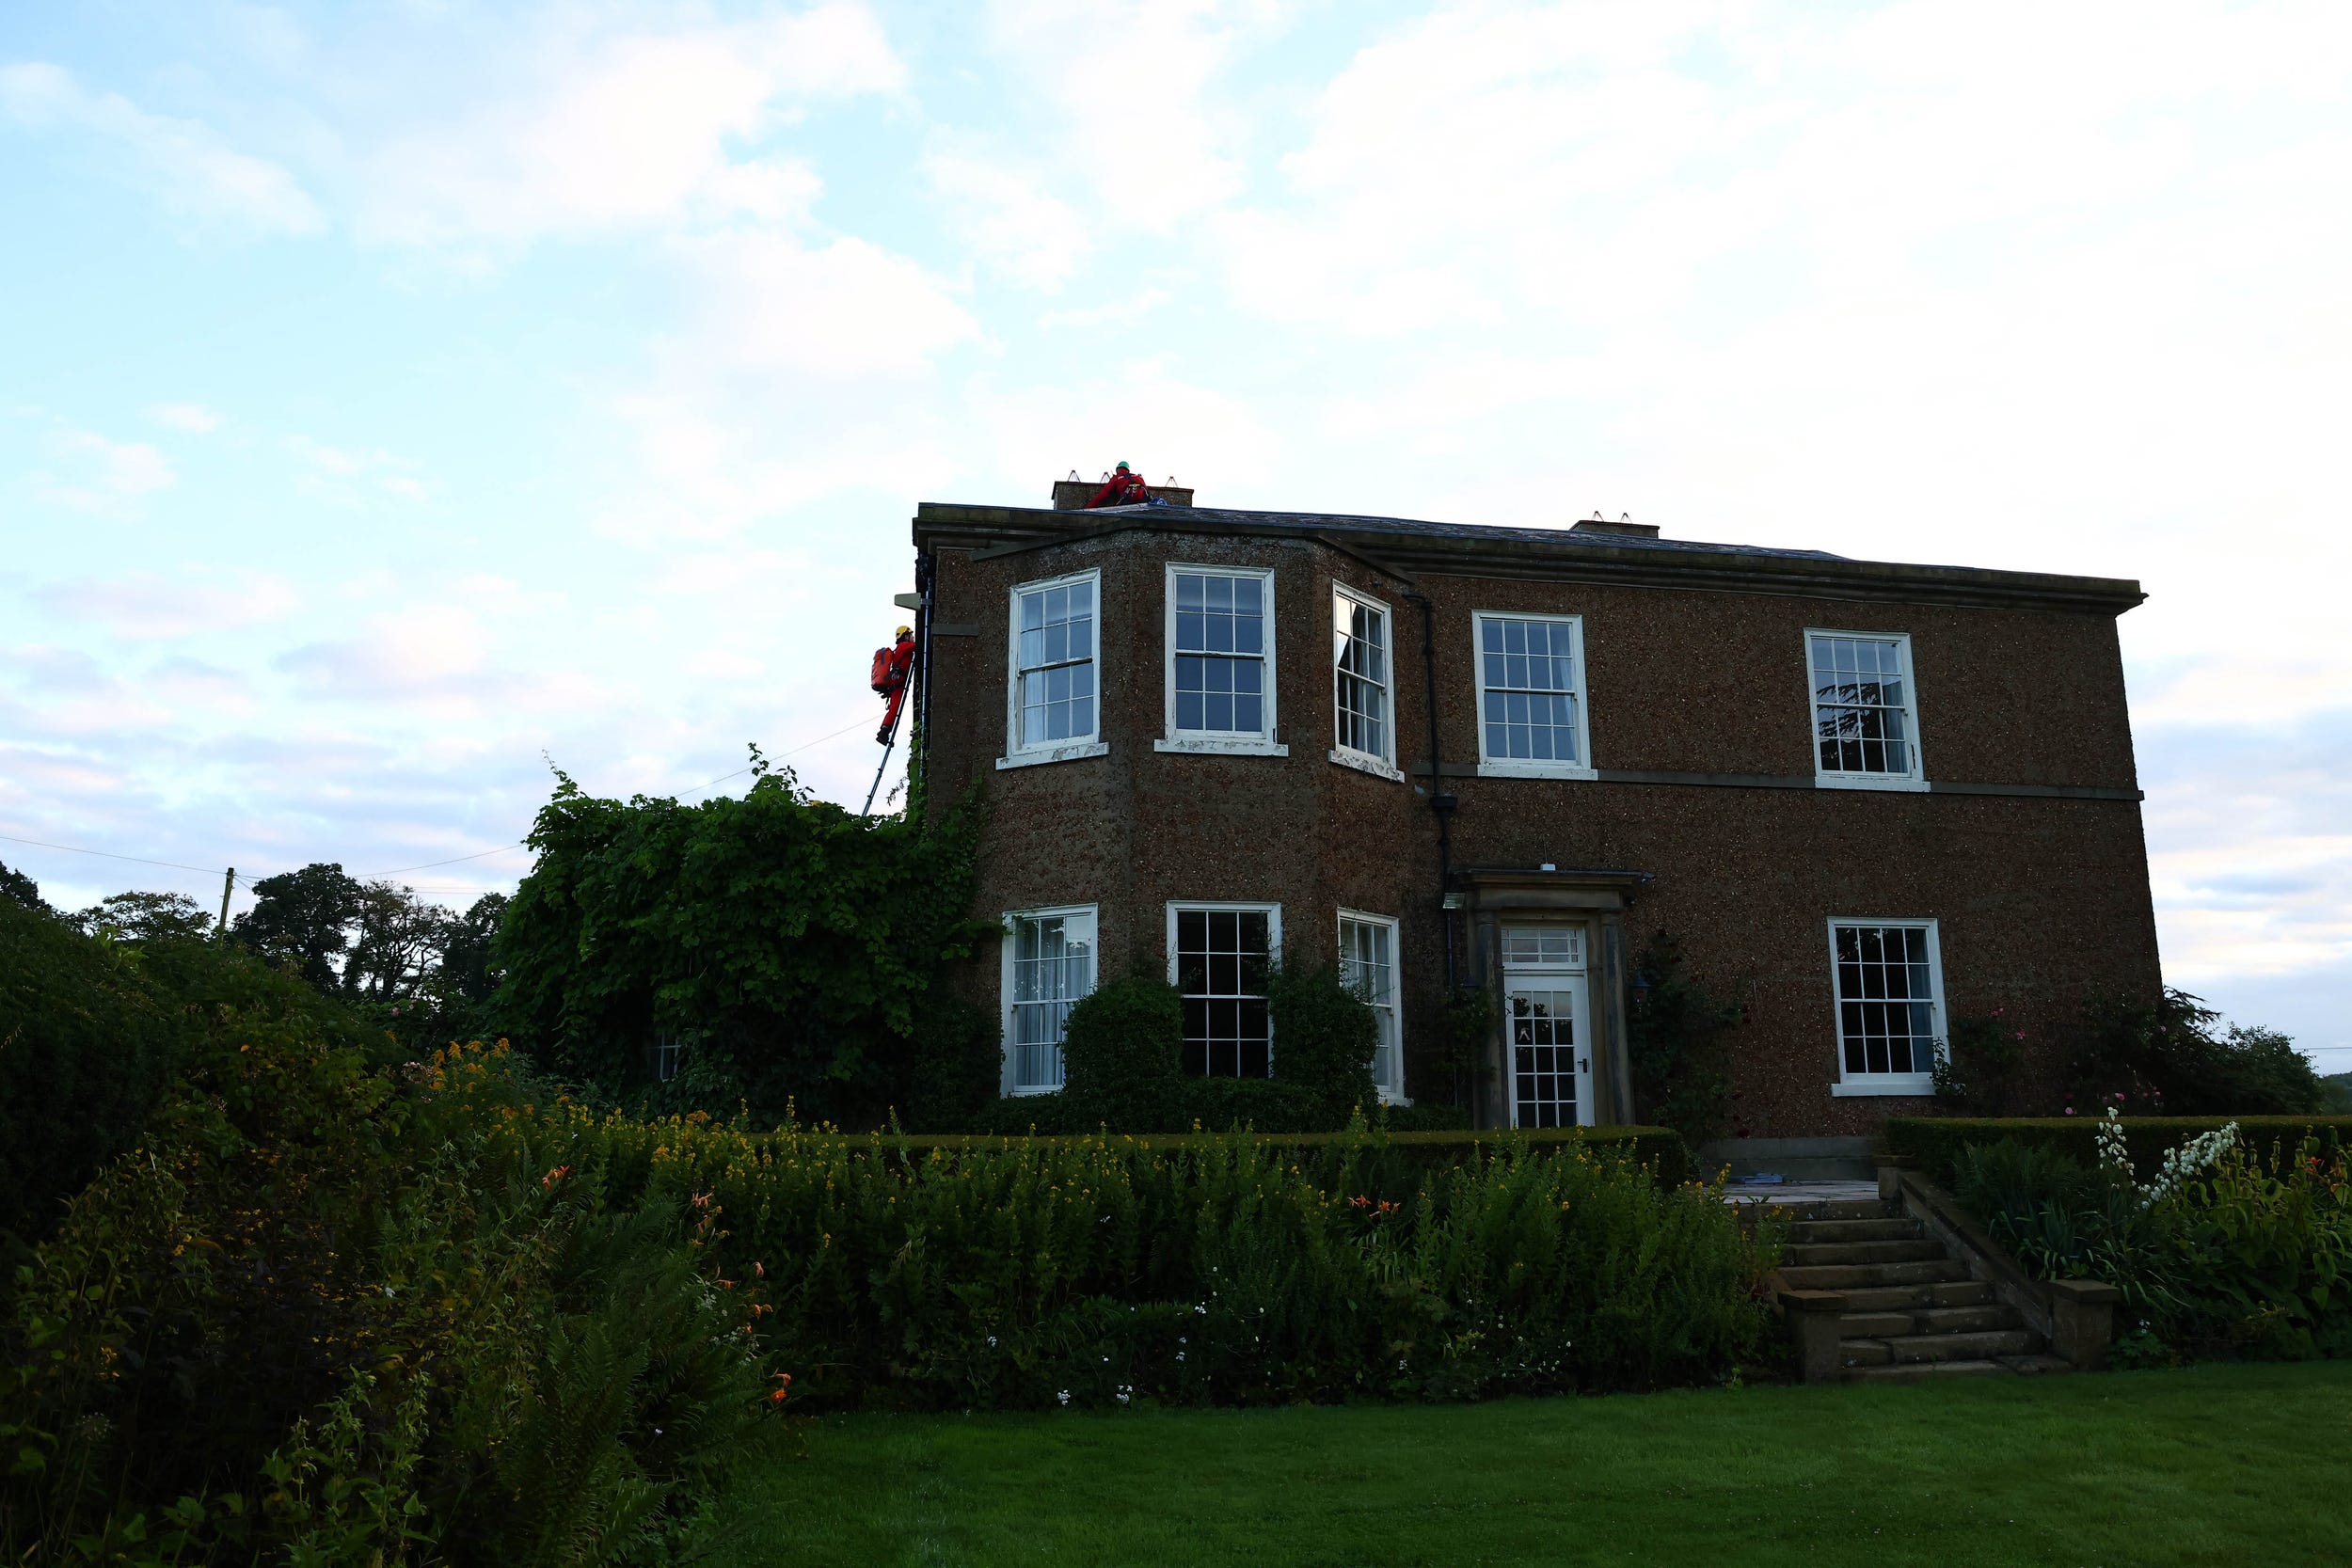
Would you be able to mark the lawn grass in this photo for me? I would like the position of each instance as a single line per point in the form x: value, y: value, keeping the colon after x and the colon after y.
x: 2241, y: 1464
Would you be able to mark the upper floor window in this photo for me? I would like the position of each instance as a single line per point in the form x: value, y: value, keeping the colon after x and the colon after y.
x: 1866, y: 719
x: 1219, y: 956
x: 1361, y: 685
x: 1889, y: 983
x: 1220, y: 659
x: 1048, y: 965
x: 1368, y: 968
x: 1531, y: 696
x: 1055, y: 707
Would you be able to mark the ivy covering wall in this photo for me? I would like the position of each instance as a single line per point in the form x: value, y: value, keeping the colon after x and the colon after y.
x: 788, y: 950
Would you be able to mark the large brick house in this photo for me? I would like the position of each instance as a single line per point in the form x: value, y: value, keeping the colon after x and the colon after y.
x: 1868, y: 797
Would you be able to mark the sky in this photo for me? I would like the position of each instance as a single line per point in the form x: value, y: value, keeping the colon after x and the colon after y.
x: 400, y: 399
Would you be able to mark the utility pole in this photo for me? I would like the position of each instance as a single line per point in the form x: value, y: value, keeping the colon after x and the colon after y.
x: 227, y: 880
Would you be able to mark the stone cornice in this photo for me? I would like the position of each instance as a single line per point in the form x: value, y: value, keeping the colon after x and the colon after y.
x: 1555, y: 556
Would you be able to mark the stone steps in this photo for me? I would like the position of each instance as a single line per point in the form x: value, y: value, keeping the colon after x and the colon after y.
x: 1912, y: 1311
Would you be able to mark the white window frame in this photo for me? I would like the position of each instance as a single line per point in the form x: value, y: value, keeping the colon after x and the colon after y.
x: 1918, y: 1083
x: 1827, y: 778
x: 1005, y: 1084
x: 1491, y: 767
x: 1092, y: 745
x: 1273, y: 914
x: 1393, y: 1023
x: 1380, y: 763
x: 1260, y: 745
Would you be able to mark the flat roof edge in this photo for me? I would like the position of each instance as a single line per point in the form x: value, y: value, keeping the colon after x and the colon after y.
x: 1515, y: 554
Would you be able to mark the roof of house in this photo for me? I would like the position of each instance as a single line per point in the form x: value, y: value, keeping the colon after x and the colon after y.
x: 1404, y: 546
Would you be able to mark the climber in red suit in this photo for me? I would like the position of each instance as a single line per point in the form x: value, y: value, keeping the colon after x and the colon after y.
x: 1121, y: 489
x: 891, y: 666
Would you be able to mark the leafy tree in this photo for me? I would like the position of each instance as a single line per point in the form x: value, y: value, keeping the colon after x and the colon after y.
x: 145, y: 917
x: 786, y: 945
x: 17, y: 888
x: 304, y: 918
x: 2165, y: 1055
x: 87, y: 1046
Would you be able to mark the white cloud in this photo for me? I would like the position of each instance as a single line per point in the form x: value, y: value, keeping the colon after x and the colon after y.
x: 147, y: 605
x: 194, y: 417
x: 183, y: 162
x: 587, y: 134
x: 1006, y: 216
x: 1134, y: 86
x: 110, y: 477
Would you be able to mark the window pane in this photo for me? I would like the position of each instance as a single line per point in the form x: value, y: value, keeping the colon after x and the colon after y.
x: 1859, y: 713
x: 1886, y: 1012
x: 1528, y: 665
x: 1221, y: 970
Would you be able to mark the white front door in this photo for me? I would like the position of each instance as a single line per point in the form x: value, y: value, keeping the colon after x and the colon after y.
x: 1551, y: 1058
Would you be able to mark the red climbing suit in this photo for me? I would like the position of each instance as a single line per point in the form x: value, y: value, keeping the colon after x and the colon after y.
x: 1121, y: 489
x: 891, y: 666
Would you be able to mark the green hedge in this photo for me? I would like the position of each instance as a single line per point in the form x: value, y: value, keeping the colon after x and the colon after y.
x: 1936, y: 1142
x: 1660, y: 1149
x: 973, y: 1273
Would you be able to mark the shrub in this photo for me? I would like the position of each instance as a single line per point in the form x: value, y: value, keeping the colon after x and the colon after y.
x: 2225, y: 1251
x: 1121, y: 1046
x: 1676, y: 1040
x: 784, y: 945
x: 319, y: 1316
x: 1325, y: 1035
x: 1425, y: 1117
x: 87, y: 1043
x: 957, y: 1063
x: 1975, y: 1071
x: 1937, y: 1142
x: 2165, y: 1056
x: 964, y: 1273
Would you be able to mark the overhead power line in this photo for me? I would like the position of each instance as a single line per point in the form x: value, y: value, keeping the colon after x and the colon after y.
x: 108, y: 854
x: 249, y: 879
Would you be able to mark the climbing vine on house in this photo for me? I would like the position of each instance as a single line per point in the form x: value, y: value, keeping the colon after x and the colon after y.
x: 773, y: 951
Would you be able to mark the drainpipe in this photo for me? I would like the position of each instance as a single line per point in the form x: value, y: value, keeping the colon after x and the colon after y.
x: 919, y: 743
x: 1441, y: 799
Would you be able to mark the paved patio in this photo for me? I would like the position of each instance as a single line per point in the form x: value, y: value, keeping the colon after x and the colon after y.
x: 1800, y: 1192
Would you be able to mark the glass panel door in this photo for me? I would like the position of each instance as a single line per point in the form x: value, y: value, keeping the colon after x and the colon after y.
x: 1552, y: 1063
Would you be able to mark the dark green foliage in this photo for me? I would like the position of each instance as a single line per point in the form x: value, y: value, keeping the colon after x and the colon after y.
x: 1121, y: 1047
x: 87, y: 1043
x: 1976, y: 1071
x: 957, y: 1065
x: 1260, y: 1104
x: 1678, y: 1040
x: 320, y: 1315
x: 302, y: 918
x: 967, y: 1273
x: 1427, y: 1117
x: 786, y: 945
x: 2246, y: 1250
x: 2165, y: 1058
x: 18, y: 889
x: 2338, y: 1088
x: 1936, y: 1143
x: 148, y: 917
x: 1325, y: 1035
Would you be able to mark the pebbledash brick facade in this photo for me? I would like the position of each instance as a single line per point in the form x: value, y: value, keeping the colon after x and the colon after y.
x: 1996, y: 863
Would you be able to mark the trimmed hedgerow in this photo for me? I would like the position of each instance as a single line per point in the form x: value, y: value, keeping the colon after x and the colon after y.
x: 975, y: 1272
x: 1936, y: 1142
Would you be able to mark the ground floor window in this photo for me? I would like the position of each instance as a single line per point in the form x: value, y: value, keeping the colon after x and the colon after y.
x: 1219, y: 956
x: 1049, y: 964
x: 1368, y: 968
x: 1889, y: 983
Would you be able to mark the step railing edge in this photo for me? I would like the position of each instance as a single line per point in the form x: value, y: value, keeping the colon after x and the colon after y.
x: 2077, y: 1317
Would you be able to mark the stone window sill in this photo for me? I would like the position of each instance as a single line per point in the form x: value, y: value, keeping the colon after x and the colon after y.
x: 1366, y: 764
x: 1210, y: 745
x: 1056, y: 753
